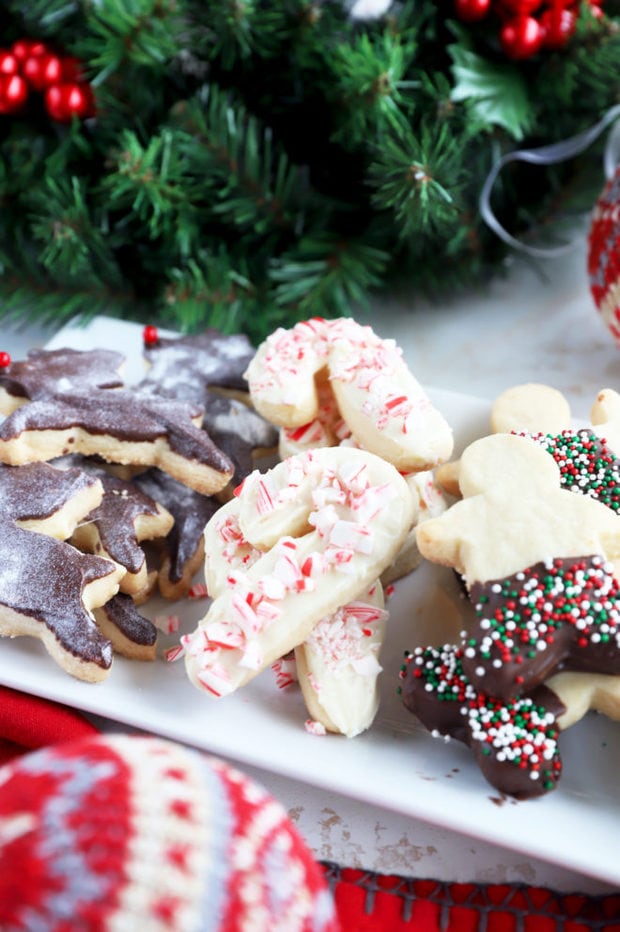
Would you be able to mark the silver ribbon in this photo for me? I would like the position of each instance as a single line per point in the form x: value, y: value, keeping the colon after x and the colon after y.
x: 549, y: 155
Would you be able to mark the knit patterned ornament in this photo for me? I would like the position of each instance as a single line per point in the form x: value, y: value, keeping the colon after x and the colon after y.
x: 129, y: 832
x: 604, y: 255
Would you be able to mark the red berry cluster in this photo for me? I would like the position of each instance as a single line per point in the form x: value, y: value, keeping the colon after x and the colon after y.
x: 31, y: 66
x: 528, y: 26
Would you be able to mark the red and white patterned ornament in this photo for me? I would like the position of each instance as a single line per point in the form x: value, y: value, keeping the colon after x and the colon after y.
x: 604, y: 255
x: 132, y: 832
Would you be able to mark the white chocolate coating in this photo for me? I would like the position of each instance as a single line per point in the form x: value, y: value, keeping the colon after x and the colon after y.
x: 383, y: 406
x: 338, y: 665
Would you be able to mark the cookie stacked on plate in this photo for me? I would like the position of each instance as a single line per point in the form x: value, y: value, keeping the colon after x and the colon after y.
x: 77, y: 522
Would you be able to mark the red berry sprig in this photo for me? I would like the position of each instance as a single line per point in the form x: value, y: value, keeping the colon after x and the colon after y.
x: 5, y: 359
x: 31, y: 66
x: 527, y: 26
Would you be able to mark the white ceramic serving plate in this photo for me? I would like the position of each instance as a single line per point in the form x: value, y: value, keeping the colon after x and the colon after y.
x: 396, y: 764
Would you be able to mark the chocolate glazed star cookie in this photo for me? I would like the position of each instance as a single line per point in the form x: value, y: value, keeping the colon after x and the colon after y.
x: 121, y: 427
x: 48, y: 589
x: 207, y: 369
x: 46, y: 373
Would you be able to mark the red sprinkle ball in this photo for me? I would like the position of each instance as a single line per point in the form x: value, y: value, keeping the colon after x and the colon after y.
x: 150, y: 335
x: 5, y: 360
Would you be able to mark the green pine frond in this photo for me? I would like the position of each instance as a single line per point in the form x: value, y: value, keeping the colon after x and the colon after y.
x: 420, y: 180
x: 325, y: 275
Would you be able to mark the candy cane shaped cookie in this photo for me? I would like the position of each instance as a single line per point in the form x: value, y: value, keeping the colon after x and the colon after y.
x: 385, y: 408
x: 338, y: 665
x: 329, y: 522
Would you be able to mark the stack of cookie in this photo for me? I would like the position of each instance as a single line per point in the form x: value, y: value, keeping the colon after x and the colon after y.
x: 96, y: 471
x: 295, y: 563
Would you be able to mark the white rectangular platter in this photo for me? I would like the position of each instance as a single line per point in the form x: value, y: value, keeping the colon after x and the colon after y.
x: 396, y: 764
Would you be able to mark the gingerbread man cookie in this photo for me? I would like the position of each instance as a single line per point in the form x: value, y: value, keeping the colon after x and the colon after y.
x: 535, y: 561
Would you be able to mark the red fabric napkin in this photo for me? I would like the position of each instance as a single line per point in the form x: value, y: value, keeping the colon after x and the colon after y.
x: 27, y: 723
x: 365, y: 901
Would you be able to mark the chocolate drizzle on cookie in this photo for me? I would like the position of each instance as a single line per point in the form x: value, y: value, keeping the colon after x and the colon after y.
x: 126, y: 417
x: 515, y: 742
x: 37, y: 490
x: 46, y: 373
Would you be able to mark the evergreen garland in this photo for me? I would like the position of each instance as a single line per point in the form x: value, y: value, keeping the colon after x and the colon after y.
x: 255, y: 162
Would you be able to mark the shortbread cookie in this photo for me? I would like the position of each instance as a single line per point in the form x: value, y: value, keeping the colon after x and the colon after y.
x: 557, y: 614
x: 605, y: 418
x: 429, y: 502
x: 115, y: 529
x: 385, y: 408
x: 514, y: 514
x: 515, y: 742
x: 240, y: 432
x: 182, y: 550
x: 47, y: 588
x: 121, y: 427
x: 330, y: 522
x: 130, y: 633
x: 338, y: 665
x: 226, y: 550
x: 327, y: 429
x: 586, y: 462
x: 532, y: 407
x: 197, y: 369
x: 46, y: 373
